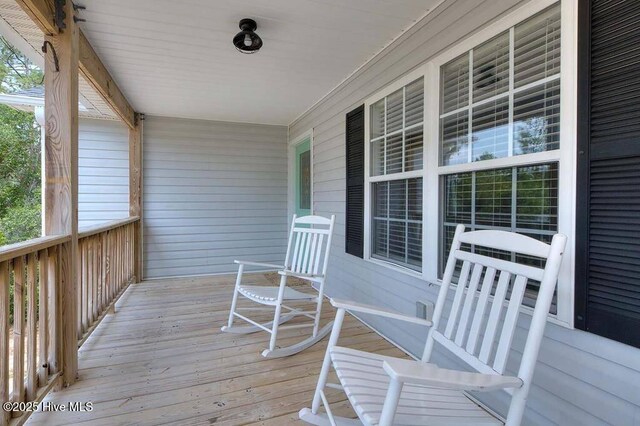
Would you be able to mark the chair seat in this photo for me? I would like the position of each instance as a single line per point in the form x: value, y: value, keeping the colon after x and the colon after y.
x: 365, y: 382
x: 269, y: 294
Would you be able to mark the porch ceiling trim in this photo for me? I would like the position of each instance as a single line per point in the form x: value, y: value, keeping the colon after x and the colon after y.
x: 91, y: 67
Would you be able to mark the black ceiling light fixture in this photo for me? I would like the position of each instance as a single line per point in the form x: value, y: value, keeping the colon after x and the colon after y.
x: 247, y: 41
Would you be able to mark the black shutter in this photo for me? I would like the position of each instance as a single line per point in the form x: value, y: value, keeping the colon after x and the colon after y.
x: 354, y: 134
x: 608, y: 202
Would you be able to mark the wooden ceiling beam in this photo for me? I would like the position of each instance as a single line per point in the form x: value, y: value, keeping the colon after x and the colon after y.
x: 42, y: 12
x: 96, y: 73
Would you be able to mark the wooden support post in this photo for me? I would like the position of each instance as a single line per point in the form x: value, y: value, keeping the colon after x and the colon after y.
x: 135, y: 192
x: 61, y: 179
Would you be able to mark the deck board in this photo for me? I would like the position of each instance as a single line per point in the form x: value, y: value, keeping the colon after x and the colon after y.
x: 161, y: 359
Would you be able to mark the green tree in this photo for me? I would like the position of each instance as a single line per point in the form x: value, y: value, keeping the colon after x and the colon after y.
x: 17, y: 72
x: 20, y: 191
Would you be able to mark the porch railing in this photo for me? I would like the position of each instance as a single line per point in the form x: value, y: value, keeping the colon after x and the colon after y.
x: 105, y: 268
x: 29, y: 323
x: 30, y: 314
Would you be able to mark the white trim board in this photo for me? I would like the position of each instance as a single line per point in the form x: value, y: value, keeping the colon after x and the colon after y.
x: 291, y: 171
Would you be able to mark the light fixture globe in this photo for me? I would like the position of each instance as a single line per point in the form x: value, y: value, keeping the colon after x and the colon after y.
x: 247, y: 41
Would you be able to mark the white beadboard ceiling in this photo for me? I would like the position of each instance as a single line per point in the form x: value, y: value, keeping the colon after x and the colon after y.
x: 175, y: 58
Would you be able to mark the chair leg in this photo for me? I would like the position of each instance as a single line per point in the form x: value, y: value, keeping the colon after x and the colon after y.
x: 326, y: 364
x: 316, y: 321
x: 390, y: 403
x: 235, y: 295
x: 276, y: 317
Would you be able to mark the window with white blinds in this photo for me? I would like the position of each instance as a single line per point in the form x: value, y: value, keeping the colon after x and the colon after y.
x: 501, y: 100
x: 395, y: 175
x: 397, y: 221
x: 520, y: 199
x: 491, y: 157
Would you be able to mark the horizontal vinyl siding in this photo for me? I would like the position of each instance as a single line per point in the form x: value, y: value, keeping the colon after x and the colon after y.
x: 213, y: 192
x: 103, y: 174
x: 581, y: 378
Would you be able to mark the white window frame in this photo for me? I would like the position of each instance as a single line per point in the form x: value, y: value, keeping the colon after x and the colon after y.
x: 291, y: 171
x: 565, y: 156
x: 431, y: 173
x: 419, y: 72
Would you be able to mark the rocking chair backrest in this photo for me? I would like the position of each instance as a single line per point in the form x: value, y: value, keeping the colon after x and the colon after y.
x: 478, y: 329
x: 309, y: 244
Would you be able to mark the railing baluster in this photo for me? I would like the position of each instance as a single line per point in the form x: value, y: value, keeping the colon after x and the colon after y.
x: 129, y: 260
x: 43, y: 313
x: 105, y: 264
x: 125, y: 255
x: 132, y: 244
x: 4, y: 338
x: 32, y: 339
x: 129, y: 245
x: 109, y: 277
x: 86, y: 253
x: 80, y: 289
x: 116, y: 255
x: 18, y: 327
x: 90, y: 274
x: 114, y: 265
x: 54, y: 312
x: 120, y: 262
x: 97, y: 257
x: 120, y: 245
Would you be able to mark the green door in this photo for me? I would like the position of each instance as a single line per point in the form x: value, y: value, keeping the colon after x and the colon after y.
x: 303, y: 178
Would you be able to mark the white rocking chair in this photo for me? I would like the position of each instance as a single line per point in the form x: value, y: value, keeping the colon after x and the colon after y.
x: 385, y: 390
x: 307, y: 258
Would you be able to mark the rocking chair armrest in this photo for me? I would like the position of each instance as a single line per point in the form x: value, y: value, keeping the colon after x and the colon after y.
x: 419, y: 373
x: 289, y: 273
x: 250, y: 263
x: 376, y: 310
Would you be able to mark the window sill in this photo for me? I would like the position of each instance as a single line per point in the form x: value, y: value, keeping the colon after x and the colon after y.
x: 395, y: 267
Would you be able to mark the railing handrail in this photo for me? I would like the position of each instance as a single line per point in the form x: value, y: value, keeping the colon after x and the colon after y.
x: 22, y: 248
x: 103, y: 227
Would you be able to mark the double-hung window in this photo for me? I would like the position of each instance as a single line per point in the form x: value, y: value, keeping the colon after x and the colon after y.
x: 395, y: 175
x: 500, y: 134
x: 492, y: 156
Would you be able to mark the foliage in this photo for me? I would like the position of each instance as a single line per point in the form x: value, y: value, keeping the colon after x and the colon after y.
x: 20, y: 216
x: 21, y: 221
x: 20, y: 147
x: 17, y: 72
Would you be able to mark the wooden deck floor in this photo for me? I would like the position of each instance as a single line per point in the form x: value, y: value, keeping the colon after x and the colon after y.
x: 161, y: 359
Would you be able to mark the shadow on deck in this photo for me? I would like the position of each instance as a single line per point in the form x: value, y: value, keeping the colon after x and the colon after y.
x: 161, y: 359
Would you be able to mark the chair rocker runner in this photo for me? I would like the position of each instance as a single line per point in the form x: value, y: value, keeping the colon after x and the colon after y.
x: 479, y: 330
x: 307, y: 258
